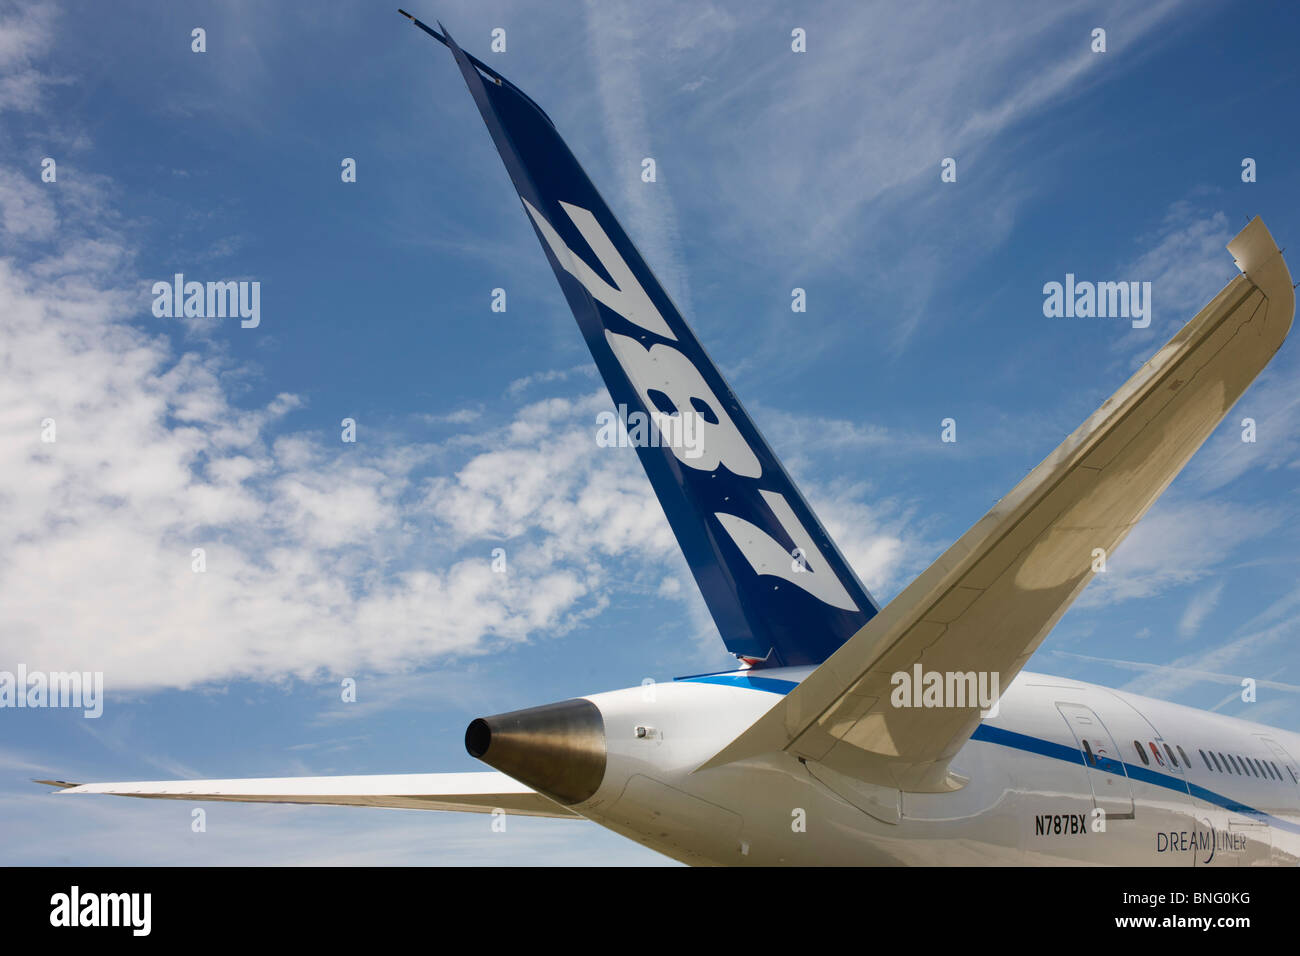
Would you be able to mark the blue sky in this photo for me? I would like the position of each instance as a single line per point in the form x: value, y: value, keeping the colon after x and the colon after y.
x: 476, y: 429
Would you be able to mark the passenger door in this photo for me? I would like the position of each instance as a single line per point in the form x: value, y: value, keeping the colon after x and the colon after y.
x: 1101, y: 756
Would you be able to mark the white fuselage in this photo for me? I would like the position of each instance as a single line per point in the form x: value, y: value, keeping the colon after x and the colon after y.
x: 1030, y: 797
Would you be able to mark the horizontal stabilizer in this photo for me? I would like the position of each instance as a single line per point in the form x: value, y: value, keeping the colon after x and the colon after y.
x: 471, y: 792
x: 988, y: 602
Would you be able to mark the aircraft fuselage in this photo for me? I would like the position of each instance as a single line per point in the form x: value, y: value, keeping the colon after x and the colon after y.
x: 1030, y: 795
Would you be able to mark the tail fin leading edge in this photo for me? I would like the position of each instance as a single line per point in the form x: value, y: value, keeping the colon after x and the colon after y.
x: 779, y: 590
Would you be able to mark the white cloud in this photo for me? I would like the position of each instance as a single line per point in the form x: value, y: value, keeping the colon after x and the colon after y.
x: 320, y: 556
x: 881, y: 540
x: 24, y: 212
x: 308, y: 541
x: 546, y: 472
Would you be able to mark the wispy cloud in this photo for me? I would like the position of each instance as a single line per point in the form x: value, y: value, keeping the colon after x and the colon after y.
x: 1187, y: 674
x: 614, y: 32
x: 549, y: 377
x: 25, y: 35
x: 1199, y: 608
x: 882, y: 96
x: 14, y: 761
x: 1251, y: 646
x: 1181, y: 540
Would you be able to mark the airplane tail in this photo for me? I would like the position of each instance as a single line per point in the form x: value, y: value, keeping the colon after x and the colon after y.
x: 778, y: 588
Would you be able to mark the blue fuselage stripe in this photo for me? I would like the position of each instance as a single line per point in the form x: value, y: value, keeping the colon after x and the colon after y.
x: 772, y: 685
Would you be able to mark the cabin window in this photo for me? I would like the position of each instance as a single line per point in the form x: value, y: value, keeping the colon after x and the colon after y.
x: 1172, y: 759
x: 1141, y: 753
x: 1224, y: 758
x: 1208, y: 765
x: 1160, y: 761
x: 1183, y: 753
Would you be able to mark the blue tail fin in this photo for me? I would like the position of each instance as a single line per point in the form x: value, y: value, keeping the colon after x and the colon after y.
x: 779, y: 590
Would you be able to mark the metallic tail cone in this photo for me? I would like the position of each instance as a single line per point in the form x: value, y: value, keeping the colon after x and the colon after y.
x: 557, y: 749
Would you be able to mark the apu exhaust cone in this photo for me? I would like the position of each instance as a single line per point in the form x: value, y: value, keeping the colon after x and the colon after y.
x: 557, y: 749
